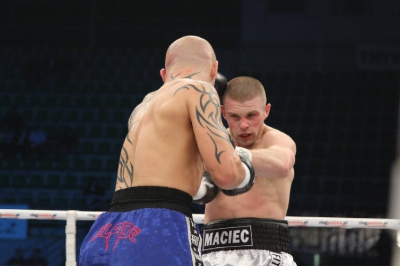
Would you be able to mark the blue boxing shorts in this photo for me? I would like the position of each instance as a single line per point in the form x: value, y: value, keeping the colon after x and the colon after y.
x: 145, y: 226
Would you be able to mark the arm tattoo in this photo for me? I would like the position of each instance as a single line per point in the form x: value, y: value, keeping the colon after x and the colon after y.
x: 208, y: 113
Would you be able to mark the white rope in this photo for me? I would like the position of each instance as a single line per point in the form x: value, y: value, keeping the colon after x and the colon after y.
x: 294, y: 221
x: 71, y: 216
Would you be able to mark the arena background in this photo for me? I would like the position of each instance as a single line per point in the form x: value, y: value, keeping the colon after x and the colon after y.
x: 76, y: 70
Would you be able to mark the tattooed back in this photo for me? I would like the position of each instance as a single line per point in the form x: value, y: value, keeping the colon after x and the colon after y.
x: 166, y: 131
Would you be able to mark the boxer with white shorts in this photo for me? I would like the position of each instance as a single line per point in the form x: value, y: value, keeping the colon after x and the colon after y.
x: 262, y: 210
x: 246, y: 241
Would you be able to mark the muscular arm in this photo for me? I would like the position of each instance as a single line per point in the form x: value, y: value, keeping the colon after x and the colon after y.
x: 276, y: 160
x: 212, y: 138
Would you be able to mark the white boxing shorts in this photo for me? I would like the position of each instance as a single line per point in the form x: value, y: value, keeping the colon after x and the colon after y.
x: 246, y: 242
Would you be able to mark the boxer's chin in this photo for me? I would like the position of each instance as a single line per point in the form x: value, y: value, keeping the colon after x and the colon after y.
x: 245, y: 139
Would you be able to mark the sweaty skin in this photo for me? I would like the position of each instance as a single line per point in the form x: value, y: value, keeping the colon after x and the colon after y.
x: 273, y: 159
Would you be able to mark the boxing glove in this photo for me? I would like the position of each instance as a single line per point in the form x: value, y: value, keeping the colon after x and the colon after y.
x: 248, y: 181
x: 207, y: 191
x: 220, y: 84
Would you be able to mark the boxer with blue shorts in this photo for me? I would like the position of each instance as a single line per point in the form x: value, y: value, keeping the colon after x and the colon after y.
x: 144, y: 226
x: 174, y: 134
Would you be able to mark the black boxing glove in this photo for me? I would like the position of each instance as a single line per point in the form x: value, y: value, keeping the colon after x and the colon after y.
x: 248, y: 181
x: 220, y: 84
x: 207, y: 191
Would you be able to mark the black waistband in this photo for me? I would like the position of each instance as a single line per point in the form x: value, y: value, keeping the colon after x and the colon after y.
x: 246, y: 233
x: 135, y: 198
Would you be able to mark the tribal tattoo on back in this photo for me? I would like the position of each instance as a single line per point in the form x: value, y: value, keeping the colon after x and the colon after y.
x: 208, y: 115
x: 125, y: 166
x: 125, y: 172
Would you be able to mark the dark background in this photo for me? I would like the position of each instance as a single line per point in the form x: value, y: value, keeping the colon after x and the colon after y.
x: 76, y: 70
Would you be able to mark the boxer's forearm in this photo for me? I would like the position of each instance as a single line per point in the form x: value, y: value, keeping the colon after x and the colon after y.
x: 273, y: 162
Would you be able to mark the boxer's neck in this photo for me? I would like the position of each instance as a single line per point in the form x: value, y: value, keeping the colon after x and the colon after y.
x: 194, y: 74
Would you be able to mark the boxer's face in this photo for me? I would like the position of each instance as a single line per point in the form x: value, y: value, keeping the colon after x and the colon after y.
x: 245, y: 119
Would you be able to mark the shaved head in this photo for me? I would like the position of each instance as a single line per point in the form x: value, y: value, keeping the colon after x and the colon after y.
x: 190, y: 51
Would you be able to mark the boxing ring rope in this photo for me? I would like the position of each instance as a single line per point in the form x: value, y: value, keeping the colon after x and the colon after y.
x: 71, y: 216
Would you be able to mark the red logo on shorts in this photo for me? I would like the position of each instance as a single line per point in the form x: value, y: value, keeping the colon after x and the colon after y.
x: 124, y: 230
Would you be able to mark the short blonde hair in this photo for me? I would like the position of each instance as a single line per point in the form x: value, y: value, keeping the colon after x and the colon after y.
x: 243, y: 89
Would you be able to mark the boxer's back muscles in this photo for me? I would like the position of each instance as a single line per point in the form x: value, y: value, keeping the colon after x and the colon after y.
x: 169, y: 134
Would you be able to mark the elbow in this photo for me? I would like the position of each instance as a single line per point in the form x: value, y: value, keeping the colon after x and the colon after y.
x: 225, y: 180
x: 283, y: 171
x: 286, y: 167
x: 228, y: 178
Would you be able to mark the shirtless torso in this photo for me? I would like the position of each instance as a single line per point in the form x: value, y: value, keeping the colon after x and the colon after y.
x: 161, y: 148
x: 258, y: 214
x: 269, y: 197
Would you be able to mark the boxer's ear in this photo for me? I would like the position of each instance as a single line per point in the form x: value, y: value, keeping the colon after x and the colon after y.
x: 267, y: 110
x: 163, y: 73
x: 223, y: 111
x: 214, y: 70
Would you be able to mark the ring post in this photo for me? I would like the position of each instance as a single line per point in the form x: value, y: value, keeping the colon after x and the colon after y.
x: 70, y: 244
